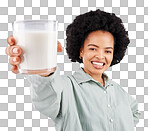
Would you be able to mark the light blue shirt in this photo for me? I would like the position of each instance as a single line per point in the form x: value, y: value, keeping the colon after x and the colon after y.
x: 79, y: 103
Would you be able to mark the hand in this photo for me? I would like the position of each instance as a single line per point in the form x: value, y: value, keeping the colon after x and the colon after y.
x: 15, y: 51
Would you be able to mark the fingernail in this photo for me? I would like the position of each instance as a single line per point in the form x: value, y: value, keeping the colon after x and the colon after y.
x: 14, y: 59
x: 15, y: 50
x: 11, y: 43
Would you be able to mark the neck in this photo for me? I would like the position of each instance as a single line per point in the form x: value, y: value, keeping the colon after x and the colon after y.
x: 98, y: 78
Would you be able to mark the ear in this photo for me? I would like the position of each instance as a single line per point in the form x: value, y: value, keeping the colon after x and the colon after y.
x: 81, y: 51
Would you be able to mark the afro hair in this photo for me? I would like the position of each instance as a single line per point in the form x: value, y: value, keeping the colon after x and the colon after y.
x: 91, y: 21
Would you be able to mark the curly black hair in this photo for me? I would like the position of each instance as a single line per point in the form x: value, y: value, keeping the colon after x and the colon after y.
x: 91, y: 21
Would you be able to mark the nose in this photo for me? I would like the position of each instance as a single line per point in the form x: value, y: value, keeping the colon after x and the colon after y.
x: 100, y: 55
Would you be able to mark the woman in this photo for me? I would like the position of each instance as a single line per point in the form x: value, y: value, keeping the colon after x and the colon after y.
x: 87, y: 100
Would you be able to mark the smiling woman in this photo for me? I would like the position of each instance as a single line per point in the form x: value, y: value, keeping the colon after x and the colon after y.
x: 88, y: 100
x: 97, y: 53
x: 84, y: 24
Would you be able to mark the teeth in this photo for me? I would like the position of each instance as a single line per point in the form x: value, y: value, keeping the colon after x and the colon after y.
x: 101, y: 64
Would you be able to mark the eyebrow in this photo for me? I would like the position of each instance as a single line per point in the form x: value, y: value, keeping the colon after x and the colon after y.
x: 98, y: 46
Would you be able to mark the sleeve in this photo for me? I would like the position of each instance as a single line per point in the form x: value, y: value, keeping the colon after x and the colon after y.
x: 134, y: 107
x: 46, y: 93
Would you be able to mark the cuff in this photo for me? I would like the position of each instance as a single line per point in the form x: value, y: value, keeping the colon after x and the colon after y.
x: 36, y: 77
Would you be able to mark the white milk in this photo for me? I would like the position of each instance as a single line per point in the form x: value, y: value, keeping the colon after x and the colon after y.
x: 40, y: 49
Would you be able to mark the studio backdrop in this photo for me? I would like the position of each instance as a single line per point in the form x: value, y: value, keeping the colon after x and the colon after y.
x: 16, y: 110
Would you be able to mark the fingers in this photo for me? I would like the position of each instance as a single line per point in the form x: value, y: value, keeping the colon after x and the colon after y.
x: 14, y: 69
x: 11, y: 40
x: 13, y: 51
x: 15, y: 60
x: 59, y: 47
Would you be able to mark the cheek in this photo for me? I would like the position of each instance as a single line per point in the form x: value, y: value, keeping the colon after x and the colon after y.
x: 88, y: 55
x: 109, y: 58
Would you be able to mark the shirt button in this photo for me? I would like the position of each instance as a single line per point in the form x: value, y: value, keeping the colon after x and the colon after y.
x: 105, y: 92
x: 111, y: 120
x: 108, y: 105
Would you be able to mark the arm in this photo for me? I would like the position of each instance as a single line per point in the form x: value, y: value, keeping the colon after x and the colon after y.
x: 134, y: 107
x: 46, y: 93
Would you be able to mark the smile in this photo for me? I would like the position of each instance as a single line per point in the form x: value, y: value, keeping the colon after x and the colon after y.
x: 98, y: 65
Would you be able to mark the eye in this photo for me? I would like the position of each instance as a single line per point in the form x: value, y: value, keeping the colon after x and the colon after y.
x: 108, y: 51
x: 92, y: 49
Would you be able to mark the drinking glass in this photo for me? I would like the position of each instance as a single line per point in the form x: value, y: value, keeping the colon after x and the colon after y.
x: 38, y: 40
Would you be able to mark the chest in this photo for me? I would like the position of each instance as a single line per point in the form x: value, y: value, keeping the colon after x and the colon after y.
x: 95, y: 103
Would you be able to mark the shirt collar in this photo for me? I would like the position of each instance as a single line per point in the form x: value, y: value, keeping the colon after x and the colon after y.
x: 81, y: 77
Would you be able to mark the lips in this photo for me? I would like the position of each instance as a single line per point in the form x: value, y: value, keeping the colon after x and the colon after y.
x: 98, y: 64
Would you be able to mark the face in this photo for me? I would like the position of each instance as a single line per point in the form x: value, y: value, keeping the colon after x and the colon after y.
x: 97, y: 53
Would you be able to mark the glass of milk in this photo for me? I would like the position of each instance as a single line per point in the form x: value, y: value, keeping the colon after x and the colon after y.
x: 38, y: 39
